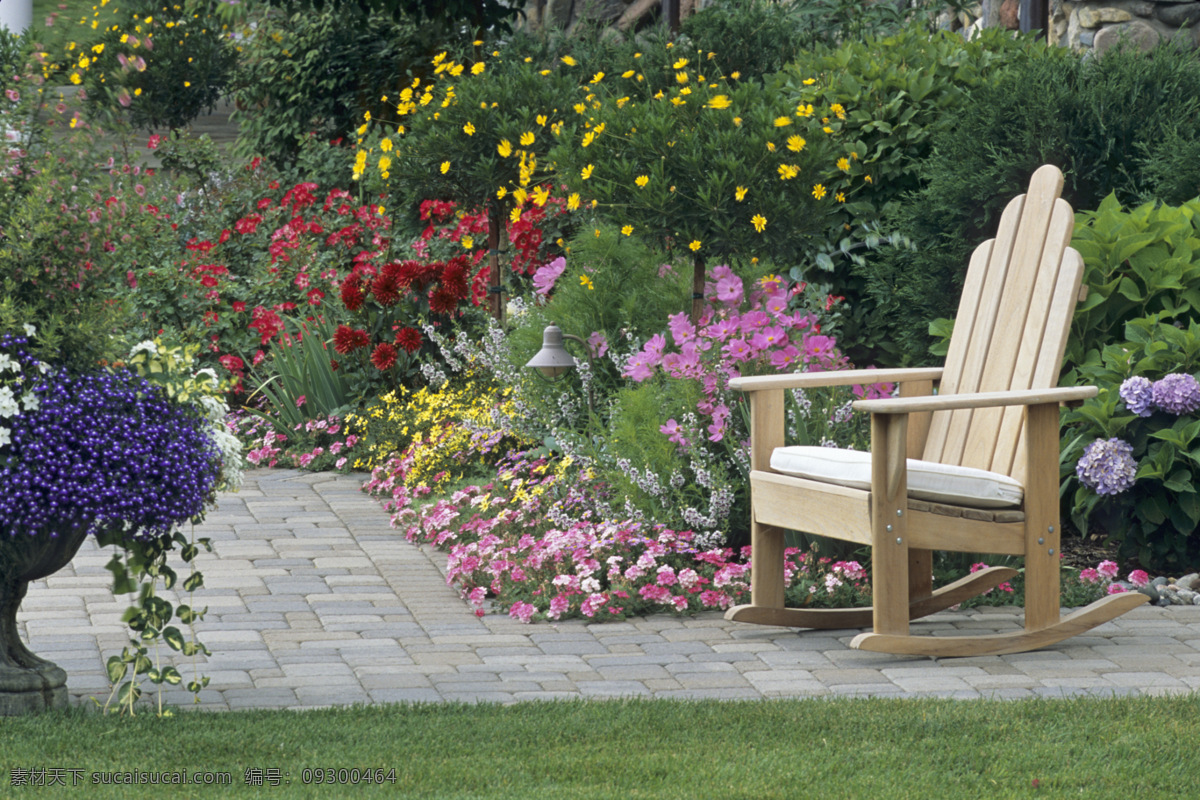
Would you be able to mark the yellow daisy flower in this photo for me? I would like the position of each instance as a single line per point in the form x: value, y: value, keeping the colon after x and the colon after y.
x: 641, y: 181
x: 796, y: 143
x: 695, y: 245
x: 526, y: 138
x: 818, y: 191
x: 759, y: 222
x: 627, y: 230
x: 504, y: 148
x: 587, y: 171
x: 739, y: 193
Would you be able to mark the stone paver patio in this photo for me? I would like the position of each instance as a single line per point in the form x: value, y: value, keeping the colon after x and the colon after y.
x: 315, y: 600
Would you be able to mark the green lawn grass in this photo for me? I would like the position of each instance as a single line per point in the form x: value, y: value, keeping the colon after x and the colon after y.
x: 852, y: 748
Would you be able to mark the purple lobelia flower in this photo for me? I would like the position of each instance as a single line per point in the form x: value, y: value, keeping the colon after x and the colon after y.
x: 104, y: 449
x: 1178, y: 393
x: 1107, y: 466
x: 1138, y: 394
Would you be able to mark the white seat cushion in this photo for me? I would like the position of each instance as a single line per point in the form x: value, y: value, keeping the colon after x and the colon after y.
x: 927, y: 480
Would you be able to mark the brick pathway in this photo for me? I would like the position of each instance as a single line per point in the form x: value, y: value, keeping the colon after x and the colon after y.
x: 314, y: 600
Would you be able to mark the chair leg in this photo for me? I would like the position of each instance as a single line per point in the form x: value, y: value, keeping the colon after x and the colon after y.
x: 920, y: 574
x: 1042, y: 581
x: 889, y: 526
x: 766, y: 570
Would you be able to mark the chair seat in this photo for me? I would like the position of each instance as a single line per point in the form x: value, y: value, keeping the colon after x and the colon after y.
x: 927, y: 480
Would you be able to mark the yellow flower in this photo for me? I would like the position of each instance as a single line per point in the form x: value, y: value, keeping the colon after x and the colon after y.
x: 504, y: 148
x: 587, y: 138
x: 720, y: 101
x: 867, y: 178
x: 840, y: 197
x: 515, y: 214
x: 468, y: 242
x: 641, y: 181
x: 803, y: 110
x: 739, y: 193
x: 386, y: 145
x: 469, y: 129
x: 627, y: 230
x: 544, y: 72
x: 519, y: 196
x: 685, y: 90
x: 788, y: 171
x: 827, y: 129
x: 695, y: 245
x: 678, y: 101
x: 796, y: 143
x: 737, y: 122
x: 627, y: 73
x: 837, y: 109
x: 541, y: 119
x: 540, y: 196
x: 843, y: 164
x: 502, y: 192
x: 680, y: 64
x: 587, y: 171
x: 599, y: 76
x: 818, y: 191
x: 771, y: 146
x: 809, y: 81
x: 477, y: 68
x: 759, y: 222
x: 570, y: 62
x: 573, y: 201
x: 735, y: 74
x: 782, y: 122
x: 621, y: 101
x: 584, y: 280
x: 384, y: 163
x: 526, y: 138
x: 579, y: 108
x: 445, y: 167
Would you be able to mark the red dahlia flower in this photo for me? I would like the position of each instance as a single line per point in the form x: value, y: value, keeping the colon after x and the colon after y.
x: 384, y: 356
x: 347, y: 339
x: 409, y: 339
x: 352, y: 293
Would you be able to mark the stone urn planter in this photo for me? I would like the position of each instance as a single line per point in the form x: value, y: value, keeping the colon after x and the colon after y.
x: 27, y: 683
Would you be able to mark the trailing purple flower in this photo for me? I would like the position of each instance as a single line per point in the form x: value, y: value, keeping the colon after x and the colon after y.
x: 1138, y: 394
x: 1178, y: 393
x: 1107, y: 466
x: 101, y: 450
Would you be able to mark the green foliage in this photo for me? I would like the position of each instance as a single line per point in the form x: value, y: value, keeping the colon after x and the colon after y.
x: 308, y: 73
x: 302, y: 382
x: 1101, y: 120
x: 1141, y: 318
x: 142, y: 567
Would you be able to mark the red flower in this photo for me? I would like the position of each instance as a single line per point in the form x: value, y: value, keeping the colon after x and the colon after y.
x: 239, y: 306
x: 442, y: 302
x: 352, y: 293
x: 315, y: 296
x: 232, y: 363
x: 224, y: 236
x: 247, y: 224
x: 386, y: 286
x: 454, y: 278
x: 409, y: 339
x: 384, y: 356
x: 347, y: 339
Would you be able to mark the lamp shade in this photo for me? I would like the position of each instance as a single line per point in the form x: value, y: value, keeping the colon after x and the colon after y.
x: 553, y: 359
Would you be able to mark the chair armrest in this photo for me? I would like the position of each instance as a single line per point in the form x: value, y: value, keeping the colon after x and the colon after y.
x: 1016, y: 397
x: 848, y: 377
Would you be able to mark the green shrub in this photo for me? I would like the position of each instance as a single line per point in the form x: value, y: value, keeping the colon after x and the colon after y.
x: 317, y: 72
x: 1100, y: 120
x: 1141, y: 318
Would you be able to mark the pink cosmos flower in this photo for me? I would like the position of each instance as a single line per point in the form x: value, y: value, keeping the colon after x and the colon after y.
x: 597, y: 344
x: 682, y: 329
x: 674, y: 433
x: 729, y: 286
x: 547, y: 275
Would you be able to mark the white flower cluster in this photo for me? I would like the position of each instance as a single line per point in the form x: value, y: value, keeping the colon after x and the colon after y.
x: 15, y: 391
x: 233, y: 463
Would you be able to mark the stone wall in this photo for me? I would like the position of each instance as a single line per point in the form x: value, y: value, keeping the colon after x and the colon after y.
x: 1100, y: 25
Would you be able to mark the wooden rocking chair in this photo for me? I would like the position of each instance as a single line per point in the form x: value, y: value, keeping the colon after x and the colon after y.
x: 993, y: 437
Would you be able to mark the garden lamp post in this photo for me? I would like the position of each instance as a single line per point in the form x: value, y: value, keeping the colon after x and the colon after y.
x: 553, y: 360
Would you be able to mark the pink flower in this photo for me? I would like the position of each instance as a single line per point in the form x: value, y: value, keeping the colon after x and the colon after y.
x: 300, y: 400
x: 1107, y: 569
x: 522, y: 611
x: 558, y: 605
x: 597, y: 344
x: 1116, y: 588
x: 1089, y: 575
x: 674, y: 433
x: 12, y: 94
x: 341, y: 462
x: 547, y: 275
x: 729, y: 286
x: 1139, y: 577
x: 682, y: 329
x: 666, y: 576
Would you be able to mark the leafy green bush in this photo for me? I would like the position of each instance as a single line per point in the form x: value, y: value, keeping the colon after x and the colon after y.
x: 317, y: 72
x: 1101, y: 120
x: 1140, y: 320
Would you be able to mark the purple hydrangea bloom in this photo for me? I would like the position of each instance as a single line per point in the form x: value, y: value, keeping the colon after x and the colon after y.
x: 1107, y: 466
x: 1138, y: 394
x: 103, y: 449
x: 1178, y: 393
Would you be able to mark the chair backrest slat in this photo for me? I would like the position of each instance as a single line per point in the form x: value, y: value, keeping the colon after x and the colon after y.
x: 1011, y: 328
